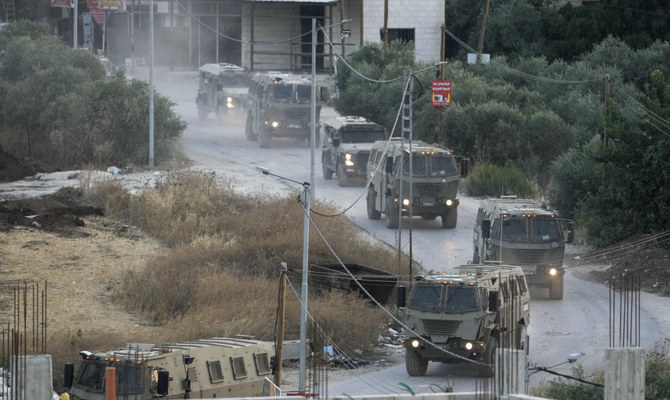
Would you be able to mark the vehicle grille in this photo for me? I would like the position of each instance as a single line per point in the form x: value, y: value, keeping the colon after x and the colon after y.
x: 439, y: 327
x: 362, y: 159
x: 428, y: 189
x: 532, y: 256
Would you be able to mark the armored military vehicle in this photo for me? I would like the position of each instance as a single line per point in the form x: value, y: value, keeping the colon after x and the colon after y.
x: 221, y: 87
x: 216, y: 367
x: 280, y: 105
x: 430, y: 190
x: 465, y: 314
x: 346, y: 147
x: 526, y: 233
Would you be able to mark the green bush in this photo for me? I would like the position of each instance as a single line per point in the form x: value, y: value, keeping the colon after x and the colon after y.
x: 490, y: 180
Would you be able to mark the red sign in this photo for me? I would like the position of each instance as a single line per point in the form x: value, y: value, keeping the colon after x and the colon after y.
x: 441, y: 93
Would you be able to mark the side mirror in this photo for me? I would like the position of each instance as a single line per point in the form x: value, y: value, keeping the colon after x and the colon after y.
x: 388, y: 167
x: 163, y: 381
x: 493, y: 301
x: 465, y: 167
x: 68, y: 375
x: 400, y: 297
x: 486, y: 228
x: 571, y: 232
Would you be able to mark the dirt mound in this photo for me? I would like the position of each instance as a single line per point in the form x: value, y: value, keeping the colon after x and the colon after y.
x: 13, y: 169
x: 58, y: 213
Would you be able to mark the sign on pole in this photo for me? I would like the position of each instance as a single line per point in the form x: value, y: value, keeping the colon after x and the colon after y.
x: 62, y: 3
x: 441, y: 93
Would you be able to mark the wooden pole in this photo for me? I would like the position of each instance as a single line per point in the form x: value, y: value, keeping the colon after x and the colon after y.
x: 280, y: 325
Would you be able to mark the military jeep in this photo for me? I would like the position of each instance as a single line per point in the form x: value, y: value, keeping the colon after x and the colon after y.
x: 221, y: 88
x: 346, y: 147
x: 280, y: 105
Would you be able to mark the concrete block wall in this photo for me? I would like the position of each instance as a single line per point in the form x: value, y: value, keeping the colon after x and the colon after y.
x: 426, y: 17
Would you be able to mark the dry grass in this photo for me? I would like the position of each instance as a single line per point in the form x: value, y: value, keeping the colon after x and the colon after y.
x: 220, y: 272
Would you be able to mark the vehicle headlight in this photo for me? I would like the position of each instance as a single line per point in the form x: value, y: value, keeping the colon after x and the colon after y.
x: 449, y: 202
x: 275, y: 124
x: 553, y: 271
x: 405, y: 202
x: 347, y: 156
x: 468, y: 346
x: 415, y: 343
x: 347, y: 160
x: 229, y: 99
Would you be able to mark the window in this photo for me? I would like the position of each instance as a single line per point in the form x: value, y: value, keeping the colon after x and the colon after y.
x: 418, y: 165
x: 442, y: 166
x: 514, y: 229
x: 522, y: 285
x: 239, y: 370
x: 128, y: 379
x: 403, y: 34
x: 544, y: 230
x: 426, y: 297
x: 215, y: 372
x: 461, y: 299
x: 262, y: 364
x: 92, y: 376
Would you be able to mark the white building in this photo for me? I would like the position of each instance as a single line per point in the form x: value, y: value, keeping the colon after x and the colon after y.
x: 269, y: 34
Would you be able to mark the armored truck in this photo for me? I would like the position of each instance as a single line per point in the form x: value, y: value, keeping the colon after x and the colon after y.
x: 280, y: 105
x: 526, y: 233
x: 429, y: 191
x: 347, y: 142
x: 221, y: 87
x: 465, y: 314
x: 216, y: 367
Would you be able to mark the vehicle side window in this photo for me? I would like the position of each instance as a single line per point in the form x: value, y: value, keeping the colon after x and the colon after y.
x: 514, y: 288
x: 522, y: 285
x: 505, y: 289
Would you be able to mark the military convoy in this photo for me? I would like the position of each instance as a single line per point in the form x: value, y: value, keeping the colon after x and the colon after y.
x: 347, y: 142
x: 280, y: 105
x: 207, y: 368
x: 465, y: 314
x: 526, y: 233
x: 221, y: 87
x: 429, y: 191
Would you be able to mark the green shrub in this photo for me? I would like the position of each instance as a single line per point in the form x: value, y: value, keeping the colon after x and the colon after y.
x: 491, y: 180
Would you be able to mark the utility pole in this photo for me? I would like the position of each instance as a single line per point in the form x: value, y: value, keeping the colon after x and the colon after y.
x: 280, y: 326
x: 480, y: 46
x: 607, y: 81
x: 386, y: 24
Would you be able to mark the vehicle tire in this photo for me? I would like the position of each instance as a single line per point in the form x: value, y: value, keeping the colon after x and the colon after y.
x: 342, y: 178
x: 373, y: 213
x: 327, y: 172
x: 392, y: 218
x: 218, y: 110
x: 489, y: 357
x: 248, y: 129
x: 556, y: 289
x: 415, y: 364
x: 264, y: 138
x: 520, y: 337
x: 449, y: 218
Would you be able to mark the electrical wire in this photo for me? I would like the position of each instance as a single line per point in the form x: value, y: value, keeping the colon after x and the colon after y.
x: 380, y: 306
x: 644, y: 113
x: 613, y: 252
x: 347, y: 359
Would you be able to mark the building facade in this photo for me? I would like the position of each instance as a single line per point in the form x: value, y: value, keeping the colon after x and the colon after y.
x: 267, y: 35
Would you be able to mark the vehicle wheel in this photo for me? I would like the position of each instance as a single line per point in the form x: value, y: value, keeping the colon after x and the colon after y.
x: 327, y: 172
x: 415, y: 364
x: 392, y: 218
x: 520, y: 337
x: 342, y: 178
x: 248, y: 131
x: 449, y: 218
x: 556, y: 289
x: 264, y: 139
x: 489, y: 357
x: 218, y: 110
x: 373, y: 213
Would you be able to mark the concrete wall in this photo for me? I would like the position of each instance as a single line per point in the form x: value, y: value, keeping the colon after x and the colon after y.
x: 35, y: 382
x: 425, y: 16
